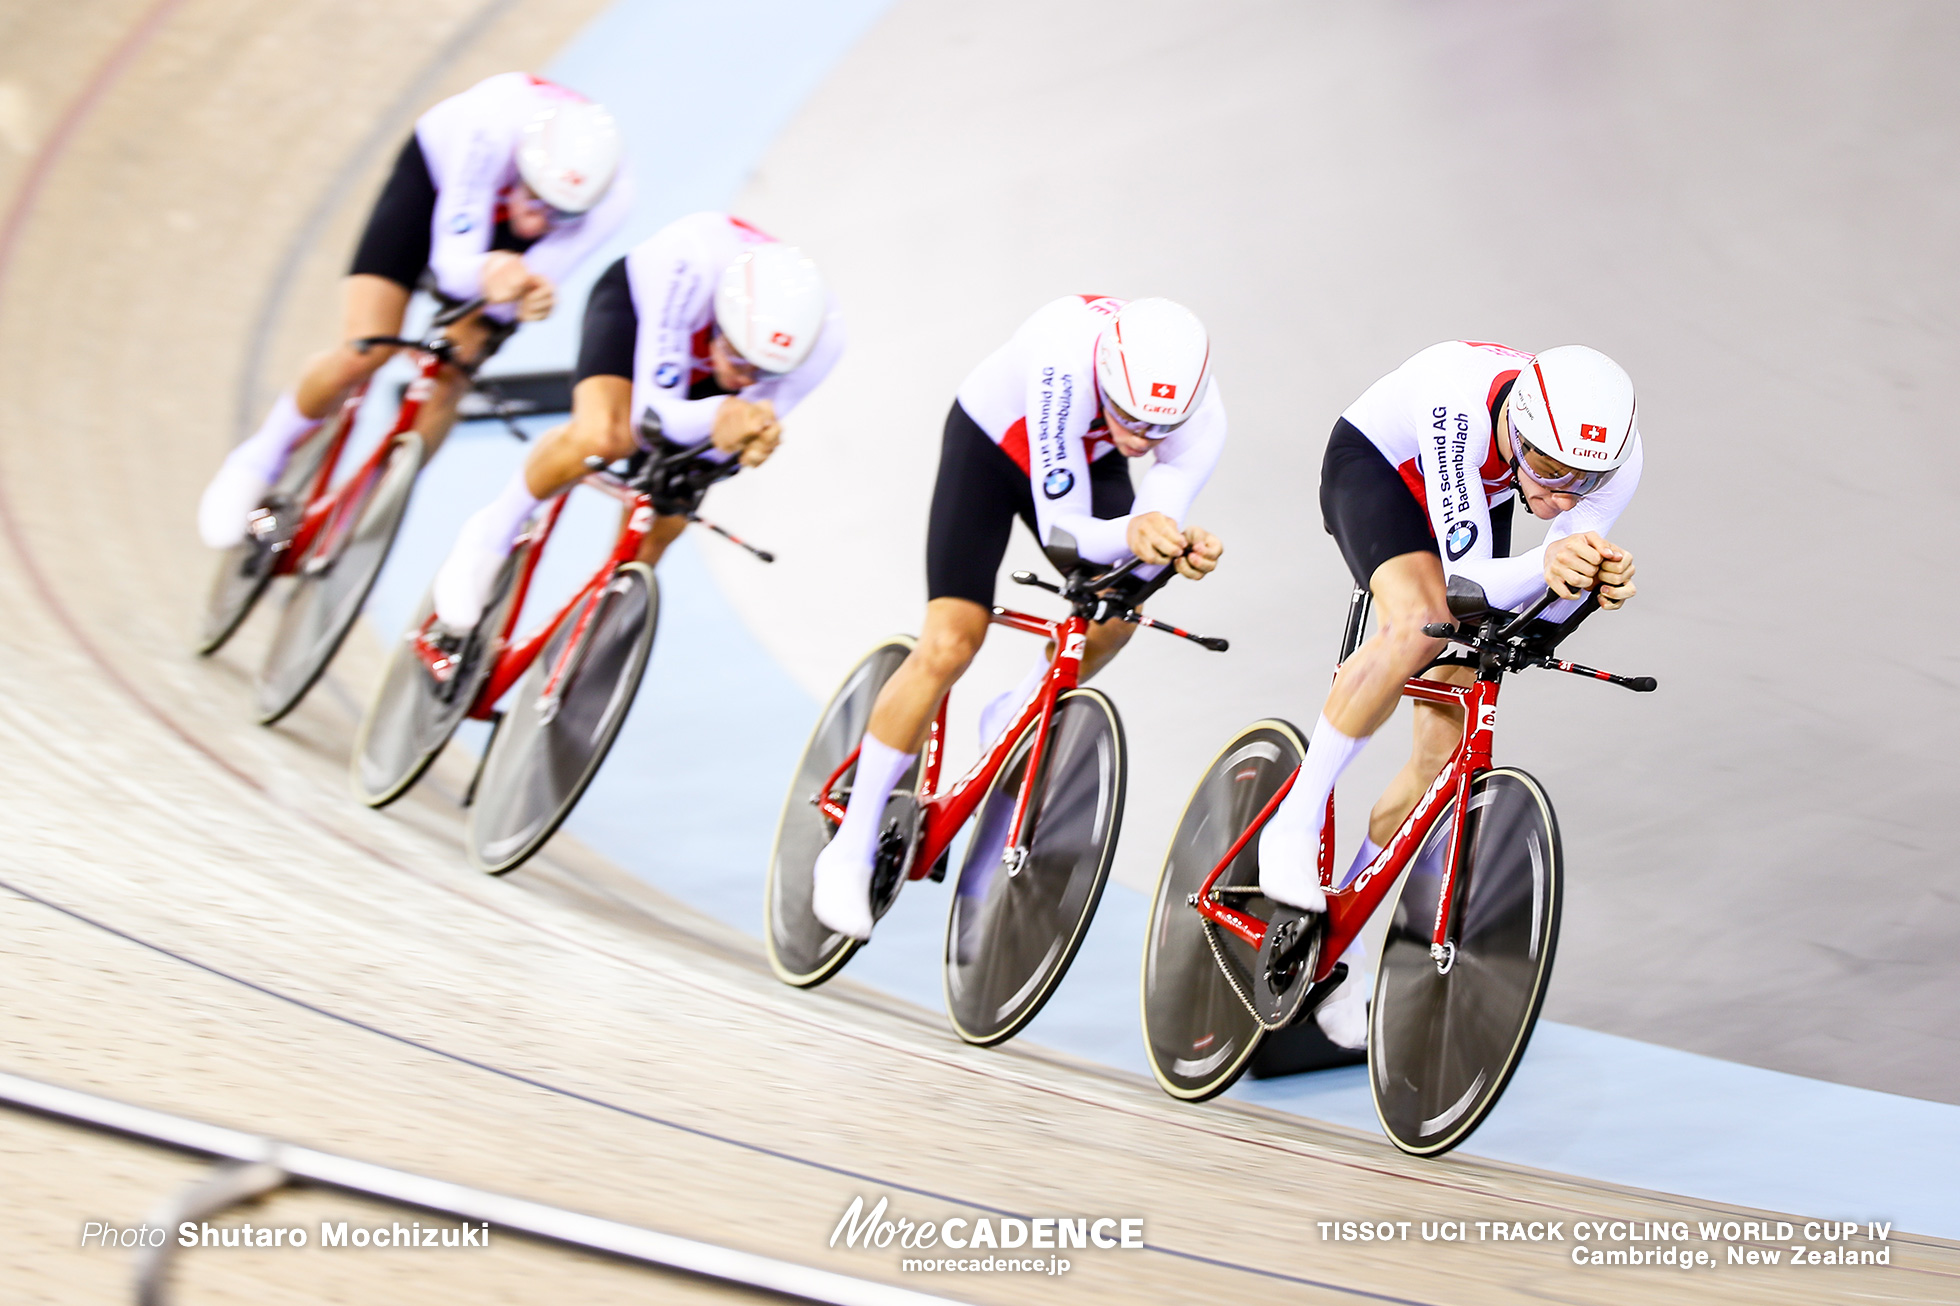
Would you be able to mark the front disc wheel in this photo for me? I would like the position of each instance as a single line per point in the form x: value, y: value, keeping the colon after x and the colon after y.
x: 1019, y: 912
x: 1447, y: 1033
x: 561, y: 722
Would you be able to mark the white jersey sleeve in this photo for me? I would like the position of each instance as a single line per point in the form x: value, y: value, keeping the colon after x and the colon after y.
x: 1516, y: 581
x: 469, y: 143
x: 672, y: 275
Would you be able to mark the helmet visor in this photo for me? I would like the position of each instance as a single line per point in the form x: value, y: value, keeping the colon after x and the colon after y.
x: 1147, y: 430
x: 1548, y: 473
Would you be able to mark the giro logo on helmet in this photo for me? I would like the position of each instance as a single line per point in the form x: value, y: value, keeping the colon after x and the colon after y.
x: 1597, y: 434
x: 1058, y: 482
x: 1162, y: 390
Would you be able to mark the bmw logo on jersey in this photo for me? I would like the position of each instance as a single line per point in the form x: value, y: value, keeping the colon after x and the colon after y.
x: 1058, y: 482
x: 1461, y: 537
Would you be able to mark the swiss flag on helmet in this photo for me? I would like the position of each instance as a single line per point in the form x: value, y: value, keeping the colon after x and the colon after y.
x: 1597, y: 434
x: 1162, y: 390
x: 783, y: 340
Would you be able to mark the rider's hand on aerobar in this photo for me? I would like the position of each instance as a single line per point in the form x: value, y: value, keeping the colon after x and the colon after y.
x: 507, y: 279
x: 1155, y: 539
x: 1577, y: 563
x: 749, y: 429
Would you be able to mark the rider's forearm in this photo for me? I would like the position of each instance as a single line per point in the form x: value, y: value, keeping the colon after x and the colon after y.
x: 1097, y: 539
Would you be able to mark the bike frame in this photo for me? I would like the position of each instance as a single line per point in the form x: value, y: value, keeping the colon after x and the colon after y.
x: 323, y: 524
x: 1349, y: 908
x: 942, y: 815
x: 514, y: 656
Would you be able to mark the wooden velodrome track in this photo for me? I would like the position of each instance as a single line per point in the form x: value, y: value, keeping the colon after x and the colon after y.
x: 196, y: 918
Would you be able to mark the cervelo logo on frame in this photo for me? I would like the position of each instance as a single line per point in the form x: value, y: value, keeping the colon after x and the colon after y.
x: 1163, y: 390
x: 1597, y: 434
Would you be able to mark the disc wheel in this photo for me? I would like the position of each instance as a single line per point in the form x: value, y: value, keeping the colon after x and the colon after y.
x: 331, y: 582
x: 246, y: 570
x: 1018, y: 917
x: 1197, y: 1029
x: 803, y: 950
x: 413, y: 715
x: 1446, y: 1036
x: 553, y: 737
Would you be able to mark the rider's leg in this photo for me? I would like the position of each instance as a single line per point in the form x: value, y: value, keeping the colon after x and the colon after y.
x: 954, y: 631
x: 598, y: 427
x: 373, y: 307
x: 1408, y: 592
x: 1438, y: 730
x: 1106, y: 639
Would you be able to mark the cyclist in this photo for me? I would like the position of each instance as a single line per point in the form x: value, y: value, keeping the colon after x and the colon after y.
x: 499, y: 192
x: 1417, y: 485
x: 1036, y: 431
x: 706, y: 333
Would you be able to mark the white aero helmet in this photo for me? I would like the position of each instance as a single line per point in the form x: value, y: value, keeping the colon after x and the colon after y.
x: 1573, y: 405
x: 770, y: 304
x: 1152, y: 363
x: 568, y: 154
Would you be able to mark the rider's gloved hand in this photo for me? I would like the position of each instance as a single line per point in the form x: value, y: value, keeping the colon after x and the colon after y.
x: 508, y: 279
x: 1202, y: 551
x: 1155, y: 538
x: 1574, y: 563
x: 749, y: 429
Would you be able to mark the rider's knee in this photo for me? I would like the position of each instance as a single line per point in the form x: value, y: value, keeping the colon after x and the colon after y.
x: 946, y: 652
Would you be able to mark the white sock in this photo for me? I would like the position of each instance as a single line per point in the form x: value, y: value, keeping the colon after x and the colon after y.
x: 879, y: 767
x: 1362, y: 856
x: 265, y: 452
x: 1005, y: 706
x: 1328, y: 754
x: 494, y: 526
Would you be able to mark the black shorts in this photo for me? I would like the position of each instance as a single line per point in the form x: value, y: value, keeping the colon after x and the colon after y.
x: 396, y: 242
x: 979, y: 493
x: 1370, y: 512
x: 612, y: 326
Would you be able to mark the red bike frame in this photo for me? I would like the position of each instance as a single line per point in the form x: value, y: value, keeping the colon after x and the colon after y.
x: 513, y: 657
x: 325, y: 520
x: 942, y: 815
x: 1349, y: 908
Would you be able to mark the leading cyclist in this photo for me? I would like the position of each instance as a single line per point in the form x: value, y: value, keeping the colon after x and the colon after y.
x: 500, y: 192
x: 1417, y: 485
x: 704, y: 336
x: 1035, y: 432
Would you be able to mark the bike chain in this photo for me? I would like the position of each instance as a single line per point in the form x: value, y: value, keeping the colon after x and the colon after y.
x: 1231, y: 977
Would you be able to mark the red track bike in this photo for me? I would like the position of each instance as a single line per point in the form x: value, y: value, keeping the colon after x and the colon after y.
x: 331, y: 539
x: 1468, y: 954
x: 571, y: 681
x: 1048, y: 793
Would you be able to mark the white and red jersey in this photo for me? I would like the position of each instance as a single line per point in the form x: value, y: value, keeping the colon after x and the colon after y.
x: 469, y: 142
x: 673, y: 274
x: 1036, y: 398
x: 1431, y: 418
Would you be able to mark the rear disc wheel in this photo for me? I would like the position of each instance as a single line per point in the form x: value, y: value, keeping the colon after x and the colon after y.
x: 803, y: 950
x: 1445, y: 1037
x: 413, y: 715
x: 550, y: 745
x: 1017, y: 918
x: 1198, y: 1030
